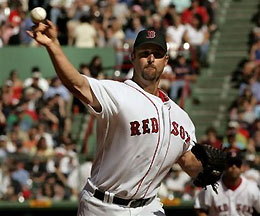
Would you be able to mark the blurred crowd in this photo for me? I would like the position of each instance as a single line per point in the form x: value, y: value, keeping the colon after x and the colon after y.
x: 188, y: 26
x: 39, y: 157
x: 37, y: 152
x: 242, y: 133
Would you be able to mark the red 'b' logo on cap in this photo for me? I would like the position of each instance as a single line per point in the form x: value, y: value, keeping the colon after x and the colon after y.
x: 150, y: 34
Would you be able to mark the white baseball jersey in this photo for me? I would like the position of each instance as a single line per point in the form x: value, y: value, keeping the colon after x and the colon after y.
x: 238, y: 202
x: 139, y: 137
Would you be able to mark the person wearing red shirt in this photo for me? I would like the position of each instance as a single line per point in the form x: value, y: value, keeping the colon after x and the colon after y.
x: 195, y: 8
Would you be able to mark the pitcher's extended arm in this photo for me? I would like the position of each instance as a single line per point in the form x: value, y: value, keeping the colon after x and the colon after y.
x: 46, y: 35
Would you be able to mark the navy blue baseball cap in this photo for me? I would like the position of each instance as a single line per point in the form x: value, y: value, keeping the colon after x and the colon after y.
x: 234, y: 157
x: 150, y: 37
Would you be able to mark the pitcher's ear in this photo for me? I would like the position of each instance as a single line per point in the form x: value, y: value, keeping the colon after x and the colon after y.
x: 132, y: 56
x: 167, y: 59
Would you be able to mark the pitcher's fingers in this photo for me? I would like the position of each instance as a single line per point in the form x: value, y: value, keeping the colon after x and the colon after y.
x: 39, y: 27
x: 37, y: 34
x: 50, y: 23
x: 30, y: 33
x: 34, y: 27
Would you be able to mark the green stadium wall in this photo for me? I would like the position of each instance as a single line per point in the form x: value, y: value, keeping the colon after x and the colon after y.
x: 24, y: 58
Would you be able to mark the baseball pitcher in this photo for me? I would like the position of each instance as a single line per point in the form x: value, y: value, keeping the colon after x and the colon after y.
x: 141, y: 132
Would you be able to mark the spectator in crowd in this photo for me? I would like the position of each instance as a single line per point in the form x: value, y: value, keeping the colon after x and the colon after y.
x: 175, y: 33
x: 118, y: 9
x: 47, y: 116
x: 41, y: 149
x: 5, y: 179
x: 167, y: 78
x: 255, y: 32
x: 248, y: 95
x: 195, y: 8
x: 15, y: 20
x: 250, y: 171
x: 176, y: 181
x: 2, y: 119
x: 84, y: 69
x: 25, y: 25
x: 17, y: 84
x: 99, y: 24
x: 96, y: 67
x: 247, y: 114
x: 255, y: 135
x: 85, y: 35
x: 254, y: 85
x: 3, y: 16
x: 37, y: 3
x: 117, y: 29
x: 197, y: 35
x: 43, y: 131
x: 69, y: 161
x: 212, y: 138
x: 62, y: 25
x: 135, y: 25
x: 254, y: 143
x: 180, y: 5
x: 34, y: 98
x: 243, y: 71
x: 15, y: 136
x: 36, y: 80
x: 59, y: 192
x: 56, y: 88
x: 53, y: 113
x: 25, y: 116
x: 20, y: 174
x: 78, y: 9
x: 1, y: 39
x: 236, y: 136
x: 168, y: 14
x: 115, y: 38
x: 210, y: 5
x: 57, y: 7
x: 13, y: 186
x: 3, y: 148
x: 31, y: 143
x: 8, y: 96
x: 157, y: 23
x: 6, y: 33
x: 183, y: 74
x: 255, y: 51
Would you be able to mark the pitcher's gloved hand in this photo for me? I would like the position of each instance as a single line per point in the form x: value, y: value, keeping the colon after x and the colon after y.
x: 213, y: 161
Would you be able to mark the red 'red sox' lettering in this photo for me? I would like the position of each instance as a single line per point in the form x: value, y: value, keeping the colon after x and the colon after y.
x: 136, y: 128
x: 151, y: 125
x: 155, y: 126
x: 175, y: 128
x: 146, y: 128
x: 180, y: 130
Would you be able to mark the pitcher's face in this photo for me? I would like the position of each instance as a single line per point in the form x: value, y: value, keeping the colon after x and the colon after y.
x: 149, y: 61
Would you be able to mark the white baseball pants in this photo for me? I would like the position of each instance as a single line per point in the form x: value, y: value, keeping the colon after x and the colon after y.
x: 91, y: 206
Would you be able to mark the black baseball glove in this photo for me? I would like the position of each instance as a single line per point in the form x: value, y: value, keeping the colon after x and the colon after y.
x: 213, y: 162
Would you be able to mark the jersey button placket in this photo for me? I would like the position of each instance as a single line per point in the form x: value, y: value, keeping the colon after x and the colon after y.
x: 165, y: 139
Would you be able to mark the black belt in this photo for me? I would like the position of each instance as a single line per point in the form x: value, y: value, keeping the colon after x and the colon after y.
x: 133, y: 203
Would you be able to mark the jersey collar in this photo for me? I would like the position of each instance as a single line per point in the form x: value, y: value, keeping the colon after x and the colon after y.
x: 162, y: 95
x: 234, y: 187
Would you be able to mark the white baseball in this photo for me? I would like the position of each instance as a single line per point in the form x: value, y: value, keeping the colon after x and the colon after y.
x: 38, y: 14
